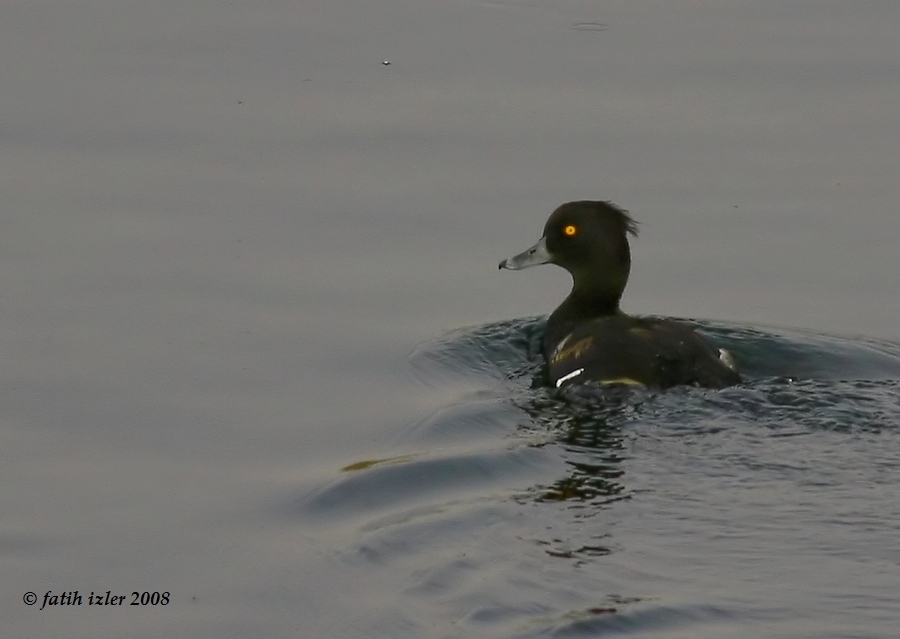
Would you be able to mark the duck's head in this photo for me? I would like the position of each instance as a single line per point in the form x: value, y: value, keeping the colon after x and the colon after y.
x: 588, y: 239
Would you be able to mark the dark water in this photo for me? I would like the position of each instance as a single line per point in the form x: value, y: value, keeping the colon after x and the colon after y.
x: 766, y: 509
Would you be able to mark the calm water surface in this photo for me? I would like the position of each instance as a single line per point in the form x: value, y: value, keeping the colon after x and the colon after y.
x: 765, y: 509
x: 256, y: 352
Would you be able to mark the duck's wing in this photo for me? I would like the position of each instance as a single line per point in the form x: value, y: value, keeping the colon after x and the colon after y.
x: 606, y: 350
x: 684, y: 357
x: 647, y: 352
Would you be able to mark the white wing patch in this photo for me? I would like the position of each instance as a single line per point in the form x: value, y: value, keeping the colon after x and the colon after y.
x: 728, y: 359
x: 562, y: 380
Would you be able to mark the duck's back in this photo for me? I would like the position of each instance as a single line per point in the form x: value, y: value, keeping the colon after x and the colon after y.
x: 621, y: 349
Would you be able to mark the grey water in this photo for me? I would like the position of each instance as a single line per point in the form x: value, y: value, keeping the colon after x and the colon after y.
x: 256, y: 354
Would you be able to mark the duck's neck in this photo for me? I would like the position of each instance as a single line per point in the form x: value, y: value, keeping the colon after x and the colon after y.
x: 581, y: 305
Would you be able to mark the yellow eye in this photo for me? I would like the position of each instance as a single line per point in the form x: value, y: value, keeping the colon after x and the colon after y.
x: 570, y: 230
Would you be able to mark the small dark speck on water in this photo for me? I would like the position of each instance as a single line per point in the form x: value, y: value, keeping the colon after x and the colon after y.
x: 386, y: 63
